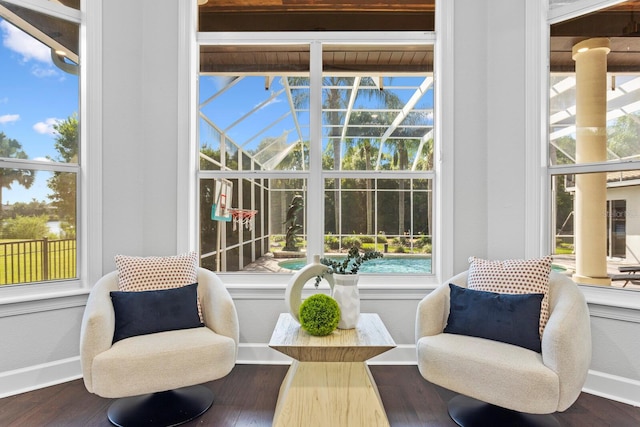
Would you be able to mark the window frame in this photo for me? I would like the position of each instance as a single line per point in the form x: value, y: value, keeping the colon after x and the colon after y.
x: 316, y: 181
x: 595, y: 295
x: 31, y: 297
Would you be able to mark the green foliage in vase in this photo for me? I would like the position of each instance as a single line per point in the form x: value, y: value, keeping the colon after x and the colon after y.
x: 351, y: 264
x: 319, y: 315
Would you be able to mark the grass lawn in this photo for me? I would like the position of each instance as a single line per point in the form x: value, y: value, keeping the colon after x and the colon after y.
x: 23, y: 261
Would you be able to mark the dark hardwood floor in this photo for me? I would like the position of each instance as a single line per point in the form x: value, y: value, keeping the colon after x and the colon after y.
x: 247, y: 397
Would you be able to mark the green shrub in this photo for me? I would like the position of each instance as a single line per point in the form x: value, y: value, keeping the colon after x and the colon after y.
x: 381, y: 238
x: 399, y: 250
x: 367, y: 239
x: 422, y: 241
x: 368, y: 247
x: 319, y: 314
x: 26, y: 227
x: 351, y: 241
x: 332, y: 242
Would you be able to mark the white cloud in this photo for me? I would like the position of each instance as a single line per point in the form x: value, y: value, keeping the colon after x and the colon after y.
x: 9, y: 118
x: 46, y: 127
x: 28, y: 48
x: 39, y: 71
x: 42, y: 159
x: 22, y: 43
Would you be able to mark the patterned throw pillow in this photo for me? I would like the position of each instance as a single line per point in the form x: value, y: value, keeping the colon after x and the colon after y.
x: 155, y: 272
x: 513, y: 276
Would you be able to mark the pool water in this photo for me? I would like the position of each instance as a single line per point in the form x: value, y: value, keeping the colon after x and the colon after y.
x: 389, y: 264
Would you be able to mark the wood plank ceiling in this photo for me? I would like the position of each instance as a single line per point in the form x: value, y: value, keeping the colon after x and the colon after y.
x: 621, y: 23
x: 316, y: 15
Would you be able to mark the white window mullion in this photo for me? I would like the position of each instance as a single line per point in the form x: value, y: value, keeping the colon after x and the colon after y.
x: 315, y: 185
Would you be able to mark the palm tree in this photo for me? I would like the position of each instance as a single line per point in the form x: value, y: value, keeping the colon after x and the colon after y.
x: 12, y: 149
x: 337, y: 92
x: 362, y: 145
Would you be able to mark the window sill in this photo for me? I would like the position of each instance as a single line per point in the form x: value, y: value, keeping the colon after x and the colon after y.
x: 25, y: 299
x: 613, y: 303
x: 272, y: 286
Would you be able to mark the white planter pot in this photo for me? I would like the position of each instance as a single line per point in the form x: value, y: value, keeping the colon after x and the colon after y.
x: 345, y: 292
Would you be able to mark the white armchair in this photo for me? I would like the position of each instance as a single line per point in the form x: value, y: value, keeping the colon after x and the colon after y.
x: 158, y: 372
x: 491, y: 375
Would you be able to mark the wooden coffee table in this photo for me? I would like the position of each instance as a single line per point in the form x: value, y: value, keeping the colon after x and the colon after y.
x: 329, y: 382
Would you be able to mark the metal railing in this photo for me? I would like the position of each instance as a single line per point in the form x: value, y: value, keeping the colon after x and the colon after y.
x: 29, y: 261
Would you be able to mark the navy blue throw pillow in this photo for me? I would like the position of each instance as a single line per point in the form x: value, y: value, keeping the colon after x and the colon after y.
x: 148, y: 312
x: 509, y: 318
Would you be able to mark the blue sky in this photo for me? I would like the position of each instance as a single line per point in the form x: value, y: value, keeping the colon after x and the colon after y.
x: 34, y: 94
x: 233, y: 104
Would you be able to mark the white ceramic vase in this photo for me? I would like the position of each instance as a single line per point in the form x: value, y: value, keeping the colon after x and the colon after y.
x: 293, y: 293
x: 345, y: 292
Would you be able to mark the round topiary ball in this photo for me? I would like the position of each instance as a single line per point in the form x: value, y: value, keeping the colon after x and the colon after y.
x: 319, y: 314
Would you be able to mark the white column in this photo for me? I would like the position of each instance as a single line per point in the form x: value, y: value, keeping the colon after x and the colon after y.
x: 591, y: 146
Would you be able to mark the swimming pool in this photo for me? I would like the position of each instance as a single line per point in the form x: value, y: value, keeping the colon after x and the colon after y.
x: 389, y: 264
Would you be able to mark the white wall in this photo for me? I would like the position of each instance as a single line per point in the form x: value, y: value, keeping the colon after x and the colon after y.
x: 141, y: 139
x: 631, y: 195
x: 140, y: 128
x: 505, y: 139
x: 470, y: 117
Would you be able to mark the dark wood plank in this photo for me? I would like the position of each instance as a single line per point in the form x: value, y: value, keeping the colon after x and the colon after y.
x: 248, y: 395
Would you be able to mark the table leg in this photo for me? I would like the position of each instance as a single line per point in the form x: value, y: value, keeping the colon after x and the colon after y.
x: 329, y: 394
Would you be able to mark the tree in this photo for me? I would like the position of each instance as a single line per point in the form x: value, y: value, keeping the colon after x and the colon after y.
x: 25, y: 227
x: 335, y: 100
x: 562, y: 152
x: 12, y: 149
x: 623, y: 138
x: 63, y: 184
x: 33, y: 208
x: 361, y: 152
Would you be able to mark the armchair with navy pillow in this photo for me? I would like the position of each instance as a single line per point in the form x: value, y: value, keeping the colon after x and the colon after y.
x: 153, y: 331
x: 511, y: 337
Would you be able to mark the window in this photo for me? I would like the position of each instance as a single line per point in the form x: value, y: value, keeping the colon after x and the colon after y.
x: 594, y: 144
x: 39, y: 144
x: 319, y: 141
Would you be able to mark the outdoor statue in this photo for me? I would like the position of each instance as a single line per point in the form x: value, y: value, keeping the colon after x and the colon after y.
x: 292, y: 221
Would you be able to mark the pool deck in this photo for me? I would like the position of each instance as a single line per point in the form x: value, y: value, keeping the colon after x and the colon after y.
x: 569, y: 262
x: 271, y: 264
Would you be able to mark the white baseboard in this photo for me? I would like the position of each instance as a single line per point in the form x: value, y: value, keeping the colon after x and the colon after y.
x: 35, y: 377
x: 613, y: 387
x: 39, y: 376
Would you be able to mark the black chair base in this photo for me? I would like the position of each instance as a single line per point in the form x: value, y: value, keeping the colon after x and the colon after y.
x: 469, y: 412
x: 167, y: 408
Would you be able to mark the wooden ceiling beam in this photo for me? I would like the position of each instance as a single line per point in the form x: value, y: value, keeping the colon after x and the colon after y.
x: 243, y: 6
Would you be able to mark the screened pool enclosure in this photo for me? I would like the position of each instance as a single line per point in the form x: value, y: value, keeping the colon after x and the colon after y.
x: 326, y: 160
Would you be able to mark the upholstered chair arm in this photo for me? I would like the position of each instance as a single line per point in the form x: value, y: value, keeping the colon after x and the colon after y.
x: 98, y: 325
x: 566, y: 341
x: 218, y: 309
x: 433, y: 310
x: 432, y: 313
